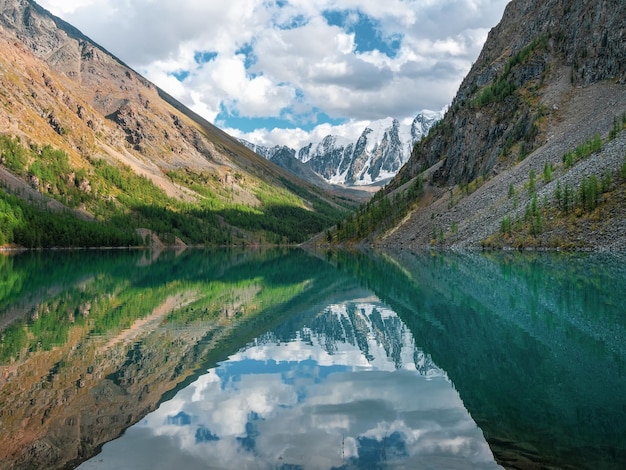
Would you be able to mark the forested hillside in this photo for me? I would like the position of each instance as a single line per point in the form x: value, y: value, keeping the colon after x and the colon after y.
x: 92, y: 154
x: 101, y: 204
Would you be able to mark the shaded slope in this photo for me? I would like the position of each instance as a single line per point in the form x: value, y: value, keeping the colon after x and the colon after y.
x: 550, y: 77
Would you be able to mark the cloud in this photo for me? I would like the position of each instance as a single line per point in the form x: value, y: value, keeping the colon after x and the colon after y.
x: 304, y: 62
x: 296, y: 137
x: 294, y: 404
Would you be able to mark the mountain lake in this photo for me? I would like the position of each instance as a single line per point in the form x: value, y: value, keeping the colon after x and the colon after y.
x: 285, y: 359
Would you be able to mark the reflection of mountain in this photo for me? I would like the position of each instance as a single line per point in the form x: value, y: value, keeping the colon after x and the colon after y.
x: 377, y: 333
x: 105, y: 338
x: 330, y: 394
x: 533, y: 343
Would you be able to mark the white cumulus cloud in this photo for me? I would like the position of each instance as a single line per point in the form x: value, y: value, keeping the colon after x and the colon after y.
x: 296, y: 64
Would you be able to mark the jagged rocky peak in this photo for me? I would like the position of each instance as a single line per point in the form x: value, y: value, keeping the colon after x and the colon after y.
x: 376, y: 155
x: 423, y: 123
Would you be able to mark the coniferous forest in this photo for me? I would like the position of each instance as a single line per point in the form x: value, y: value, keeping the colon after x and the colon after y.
x: 101, y: 204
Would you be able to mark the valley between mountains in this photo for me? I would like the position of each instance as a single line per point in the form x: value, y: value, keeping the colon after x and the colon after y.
x: 531, y: 153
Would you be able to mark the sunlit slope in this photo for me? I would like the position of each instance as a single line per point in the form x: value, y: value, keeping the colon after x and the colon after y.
x: 59, y: 89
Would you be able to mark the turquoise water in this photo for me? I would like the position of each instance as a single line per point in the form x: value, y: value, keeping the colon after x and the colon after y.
x: 284, y: 359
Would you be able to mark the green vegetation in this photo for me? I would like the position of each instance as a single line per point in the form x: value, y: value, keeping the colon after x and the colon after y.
x: 618, y: 125
x: 122, y: 201
x: 589, y: 193
x: 584, y: 150
x: 502, y: 87
x: 511, y: 191
x: 12, y: 153
x: 498, y: 91
x: 25, y: 225
x: 533, y: 217
x: 380, y: 213
x: 572, y: 208
x: 531, y: 182
x: 547, y: 224
x: 107, y: 291
x: 506, y: 226
x: 548, y: 168
x: 591, y: 203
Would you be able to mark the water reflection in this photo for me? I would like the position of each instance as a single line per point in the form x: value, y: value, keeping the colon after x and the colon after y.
x: 91, y: 342
x: 369, y: 359
x: 347, y: 390
x: 533, y: 342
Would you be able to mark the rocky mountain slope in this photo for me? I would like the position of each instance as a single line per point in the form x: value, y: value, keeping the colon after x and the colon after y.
x: 59, y: 89
x: 541, y: 113
x: 375, y: 157
x: 92, y: 373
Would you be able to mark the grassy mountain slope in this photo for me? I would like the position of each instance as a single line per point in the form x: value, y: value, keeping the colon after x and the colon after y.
x: 89, y: 147
x: 177, y: 314
x: 550, y: 79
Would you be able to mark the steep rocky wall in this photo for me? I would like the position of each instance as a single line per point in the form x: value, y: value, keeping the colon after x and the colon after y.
x: 533, y: 39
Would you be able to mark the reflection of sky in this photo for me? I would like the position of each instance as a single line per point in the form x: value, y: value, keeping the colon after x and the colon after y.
x: 295, y: 405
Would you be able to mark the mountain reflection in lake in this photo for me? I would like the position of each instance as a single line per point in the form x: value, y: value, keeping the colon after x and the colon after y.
x: 347, y: 390
x: 280, y: 359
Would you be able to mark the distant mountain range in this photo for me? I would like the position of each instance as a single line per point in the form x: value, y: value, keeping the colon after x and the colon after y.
x: 376, y: 156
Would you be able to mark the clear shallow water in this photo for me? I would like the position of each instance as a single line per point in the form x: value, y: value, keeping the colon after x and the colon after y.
x: 279, y: 359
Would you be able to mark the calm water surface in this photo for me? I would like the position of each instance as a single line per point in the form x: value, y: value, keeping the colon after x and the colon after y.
x: 281, y: 359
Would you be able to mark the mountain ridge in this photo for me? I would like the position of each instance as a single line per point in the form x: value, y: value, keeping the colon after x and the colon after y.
x: 372, y: 159
x: 531, y: 152
x: 60, y: 91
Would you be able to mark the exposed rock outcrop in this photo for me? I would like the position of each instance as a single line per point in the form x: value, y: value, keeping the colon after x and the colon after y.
x: 551, y: 76
x: 533, y: 40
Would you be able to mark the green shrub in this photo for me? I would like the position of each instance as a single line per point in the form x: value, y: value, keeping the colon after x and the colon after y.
x: 531, y: 182
x: 506, y: 226
x: 547, y: 172
x: 589, y: 193
x: 12, y: 154
x: 584, y: 150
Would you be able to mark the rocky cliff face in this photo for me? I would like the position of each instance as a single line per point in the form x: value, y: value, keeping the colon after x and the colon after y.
x: 82, y: 90
x: 550, y: 78
x: 498, y: 114
x: 377, y: 155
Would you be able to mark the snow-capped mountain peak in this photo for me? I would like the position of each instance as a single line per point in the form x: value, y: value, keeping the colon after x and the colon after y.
x: 376, y: 155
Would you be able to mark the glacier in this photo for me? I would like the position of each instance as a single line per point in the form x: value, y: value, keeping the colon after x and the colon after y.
x: 376, y: 156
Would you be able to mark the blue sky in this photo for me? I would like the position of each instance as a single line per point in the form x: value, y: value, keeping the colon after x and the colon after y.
x: 292, y: 71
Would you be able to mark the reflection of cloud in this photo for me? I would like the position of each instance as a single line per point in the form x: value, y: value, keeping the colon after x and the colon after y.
x: 202, y: 383
x: 204, y: 434
x: 181, y: 419
x: 264, y: 408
